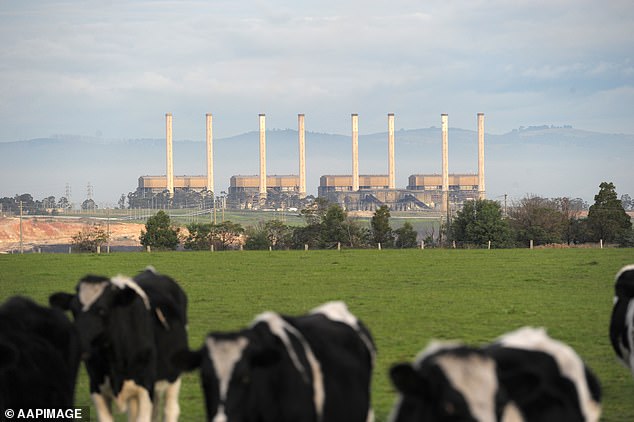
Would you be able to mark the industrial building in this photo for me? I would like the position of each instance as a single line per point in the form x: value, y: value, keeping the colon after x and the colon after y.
x: 281, y: 192
x: 428, y: 192
x: 423, y: 192
x: 152, y: 185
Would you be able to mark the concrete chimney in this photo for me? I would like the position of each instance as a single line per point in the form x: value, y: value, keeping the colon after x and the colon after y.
x: 169, y: 174
x: 355, y: 152
x: 210, y: 154
x: 391, y: 184
x: 481, y: 188
x: 262, y: 156
x: 445, y: 162
x: 302, y: 155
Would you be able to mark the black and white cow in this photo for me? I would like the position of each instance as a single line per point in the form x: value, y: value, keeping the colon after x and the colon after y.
x: 315, y: 367
x: 39, y: 356
x: 523, y: 376
x: 129, y: 330
x: 622, y: 321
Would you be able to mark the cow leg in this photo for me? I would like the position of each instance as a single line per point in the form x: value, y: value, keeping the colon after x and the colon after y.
x: 370, y: 417
x: 133, y: 409
x: 159, y: 397
x: 145, y: 406
x: 102, y: 407
x: 172, y: 408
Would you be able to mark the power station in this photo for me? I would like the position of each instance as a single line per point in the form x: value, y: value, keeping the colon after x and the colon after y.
x: 424, y: 192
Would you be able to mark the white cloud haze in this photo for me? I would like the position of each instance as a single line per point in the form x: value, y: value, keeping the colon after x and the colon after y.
x: 115, y: 67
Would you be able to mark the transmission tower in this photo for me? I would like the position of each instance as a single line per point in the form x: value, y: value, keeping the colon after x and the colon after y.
x: 89, y: 191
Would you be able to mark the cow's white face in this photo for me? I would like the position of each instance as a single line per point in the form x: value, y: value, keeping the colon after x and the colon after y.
x: 89, y: 293
x: 448, y: 381
x: 475, y: 378
x: 224, y: 355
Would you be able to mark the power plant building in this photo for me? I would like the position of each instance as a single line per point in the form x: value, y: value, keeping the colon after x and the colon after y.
x: 353, y: 192
x: 152, y: 185
x: 423, y: 192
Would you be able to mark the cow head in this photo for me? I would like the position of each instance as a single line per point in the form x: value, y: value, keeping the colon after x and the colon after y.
x: 446, y: 383
x: 233, y: 370
x: 622, y: 316
x: 96, y: 301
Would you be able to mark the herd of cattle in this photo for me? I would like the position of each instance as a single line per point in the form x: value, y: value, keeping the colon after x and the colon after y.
x: 131, y: 334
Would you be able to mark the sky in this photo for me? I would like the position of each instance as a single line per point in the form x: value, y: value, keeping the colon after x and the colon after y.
x: 112, y: 68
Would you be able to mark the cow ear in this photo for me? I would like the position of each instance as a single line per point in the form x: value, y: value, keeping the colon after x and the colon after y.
x: 265, y: 357
x: 406, y: 380
x: 124, y: 297
x: 8, y: 355
x: 187, y: 360
x: 60, y: 300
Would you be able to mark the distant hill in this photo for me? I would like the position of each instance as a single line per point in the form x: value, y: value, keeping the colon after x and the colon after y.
x: 545, y: 161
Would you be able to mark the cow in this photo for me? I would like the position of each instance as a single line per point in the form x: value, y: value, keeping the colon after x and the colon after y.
x: 309, y: 368
x: 39, y: 356
x: 525, y: 375
x: 622, y: 320
x: 130, y: 329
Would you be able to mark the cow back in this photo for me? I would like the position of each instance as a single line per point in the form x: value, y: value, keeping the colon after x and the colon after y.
x: 44, y: 356
x: 345, y: 363
x: 169, y: 315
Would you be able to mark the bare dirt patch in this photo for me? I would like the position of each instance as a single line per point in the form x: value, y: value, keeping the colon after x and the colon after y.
x: 41, y: 231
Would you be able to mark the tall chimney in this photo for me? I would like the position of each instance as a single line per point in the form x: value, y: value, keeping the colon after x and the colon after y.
x: 302, y: 155
x: 355, y: 152
x: 210, y: 154
x: 169, y: 174
x: 262, y: 156
x: 391, y: 184
x: 481, y: 188
x: 445, y: 162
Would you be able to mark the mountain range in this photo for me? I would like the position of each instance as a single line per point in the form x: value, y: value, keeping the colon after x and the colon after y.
x: 540, y: 160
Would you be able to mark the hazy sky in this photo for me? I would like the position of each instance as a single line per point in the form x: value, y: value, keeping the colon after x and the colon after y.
x: 114, y: 68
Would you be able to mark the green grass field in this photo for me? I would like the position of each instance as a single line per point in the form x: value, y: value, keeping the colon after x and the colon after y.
x: 406, y: 297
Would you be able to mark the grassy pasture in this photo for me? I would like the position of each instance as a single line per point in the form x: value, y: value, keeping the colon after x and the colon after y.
x: 405, y: 297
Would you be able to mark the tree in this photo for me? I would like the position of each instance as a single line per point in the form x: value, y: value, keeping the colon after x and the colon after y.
x: 537, y: 219
x: 64, y: 204
x: 627, y: 202
x: 88, y: 204
x: 333, y: 228
x: 159, y: 232
x: 257, y: 237
x: 571, y: 210
x: 479, y: 222
x: 273, y: 234
x: 315, y: 212
x: 381, y: 230
x: 225, y: 234
x: 607, y: 219
x: 199, y: 237
x: 89, y: 238
x: 405, y: 236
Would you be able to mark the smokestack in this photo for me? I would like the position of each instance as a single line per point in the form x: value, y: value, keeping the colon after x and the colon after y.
x: 302, y: 155
x: 481, y: 188
x: 445, y: 162
x: 169, y: 174
x: 210, y: 154
x: 262, y: 156
x: 355, y: 152
x: 391, y: 184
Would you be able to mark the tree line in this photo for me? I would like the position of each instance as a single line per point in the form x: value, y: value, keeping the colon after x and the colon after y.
x: 544, y: 221
x: 328, y: 226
